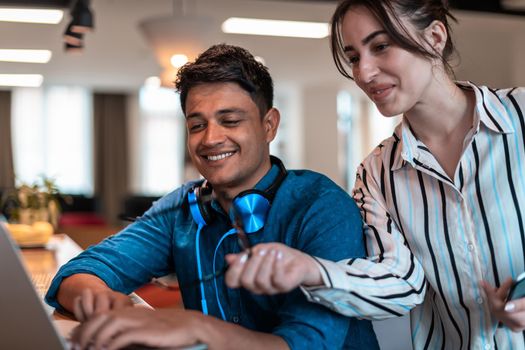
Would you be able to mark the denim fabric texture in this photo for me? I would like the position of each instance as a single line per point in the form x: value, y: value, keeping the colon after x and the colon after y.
x: 309, y: 212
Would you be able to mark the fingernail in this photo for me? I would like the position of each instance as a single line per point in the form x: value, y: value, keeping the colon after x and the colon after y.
x: 279, y: 255
x: 509, y: 307
x: 262, y: 252
x: 243, y: 259
x: 273, y: 252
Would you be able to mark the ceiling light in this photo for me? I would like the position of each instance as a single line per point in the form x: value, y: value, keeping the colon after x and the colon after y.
x: 31, y: 15
x: 21, y: 80
x: 26, y: 56
x: 189, y: 35
x: 296, y: 29
x: 178, y: 60
x: 152, y: 82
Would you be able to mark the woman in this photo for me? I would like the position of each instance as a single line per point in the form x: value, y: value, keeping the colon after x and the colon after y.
x: 441, y: 198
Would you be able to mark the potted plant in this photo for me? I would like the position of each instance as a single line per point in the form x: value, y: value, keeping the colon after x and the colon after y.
x: 27, y: 204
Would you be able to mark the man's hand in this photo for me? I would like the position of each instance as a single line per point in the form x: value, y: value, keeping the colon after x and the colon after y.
x: 272, y: 268
x: 135, y: 325
x: 510, y: 313
x: 91, y: 303
x: 85, y: 295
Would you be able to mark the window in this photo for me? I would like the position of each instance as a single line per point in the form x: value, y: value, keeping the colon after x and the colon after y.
x: 158, y: 141
x: 52, y: 136
x: 360, y: 129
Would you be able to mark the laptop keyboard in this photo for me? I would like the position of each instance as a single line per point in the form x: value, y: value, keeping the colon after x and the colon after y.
x: 41, y: 281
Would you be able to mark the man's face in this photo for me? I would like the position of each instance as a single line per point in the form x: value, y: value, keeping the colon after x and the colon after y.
x: 228, y: 141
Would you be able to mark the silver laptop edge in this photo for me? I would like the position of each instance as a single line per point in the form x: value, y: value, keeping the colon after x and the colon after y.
x: 24, y: 321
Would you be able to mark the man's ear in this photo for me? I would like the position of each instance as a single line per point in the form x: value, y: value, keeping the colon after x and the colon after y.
x: 436, y: 36
x: 271, y: 122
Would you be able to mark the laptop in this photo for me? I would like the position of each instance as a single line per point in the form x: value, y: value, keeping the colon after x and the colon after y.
x: 25, y: 321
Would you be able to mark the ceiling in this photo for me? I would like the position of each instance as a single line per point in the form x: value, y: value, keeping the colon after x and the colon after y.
x: 117, y: 55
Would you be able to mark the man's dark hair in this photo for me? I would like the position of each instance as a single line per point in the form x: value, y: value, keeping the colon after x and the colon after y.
x: 227, y: 64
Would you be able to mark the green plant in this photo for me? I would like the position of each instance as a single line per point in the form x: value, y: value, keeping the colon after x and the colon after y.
x: 36, y: 202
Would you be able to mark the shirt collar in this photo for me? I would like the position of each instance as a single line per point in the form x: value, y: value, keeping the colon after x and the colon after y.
x: 489, y: 111
x: 264, y: 183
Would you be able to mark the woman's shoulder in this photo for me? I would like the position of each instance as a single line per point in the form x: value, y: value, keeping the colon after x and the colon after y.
x: 387, y: 151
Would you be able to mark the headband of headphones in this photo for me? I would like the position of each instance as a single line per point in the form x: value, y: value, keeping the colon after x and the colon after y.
x: 249, y: 208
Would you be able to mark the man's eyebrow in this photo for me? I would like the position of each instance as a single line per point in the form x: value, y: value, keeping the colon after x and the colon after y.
x: 231, y: 110
x: 193, y: 116
x: 366, y: 40
x: 223, y: 111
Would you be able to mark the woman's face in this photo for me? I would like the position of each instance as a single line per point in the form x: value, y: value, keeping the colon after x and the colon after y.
x: 393, y: 78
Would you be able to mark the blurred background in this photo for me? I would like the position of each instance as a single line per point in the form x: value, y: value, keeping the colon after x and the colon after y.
x: 93, y: 114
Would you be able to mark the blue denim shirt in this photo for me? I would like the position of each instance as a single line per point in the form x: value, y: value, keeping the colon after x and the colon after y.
x: 309, y: 212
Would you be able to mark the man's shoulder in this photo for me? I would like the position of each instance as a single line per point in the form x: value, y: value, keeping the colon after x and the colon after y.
x: 175, y: 198
x: 309, y: 186
x: 306, y: 177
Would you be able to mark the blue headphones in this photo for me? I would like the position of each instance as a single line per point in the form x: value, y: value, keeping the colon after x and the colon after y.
x: 249, y: 209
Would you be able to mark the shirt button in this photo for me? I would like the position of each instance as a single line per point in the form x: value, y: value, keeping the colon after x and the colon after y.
x: 470, y: 247
x: 480, y: 301
x: 235, y: 319
x: 488, y: 346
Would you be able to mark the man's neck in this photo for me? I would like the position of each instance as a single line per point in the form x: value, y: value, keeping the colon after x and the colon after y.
x: 224, y: 195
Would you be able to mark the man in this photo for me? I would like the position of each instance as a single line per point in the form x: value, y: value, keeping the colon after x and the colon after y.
x: 227, y: 99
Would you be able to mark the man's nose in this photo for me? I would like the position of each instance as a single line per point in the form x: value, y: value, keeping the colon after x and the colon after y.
x: 214, y: 134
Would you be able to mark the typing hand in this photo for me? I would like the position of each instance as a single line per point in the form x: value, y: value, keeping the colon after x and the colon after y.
x: 90, y: 303
x: 271, y: 268
x: 509, y: 313
x: 116, y: 329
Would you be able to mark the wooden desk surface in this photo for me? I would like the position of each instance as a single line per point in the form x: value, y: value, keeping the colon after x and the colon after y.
x: 59, y: 250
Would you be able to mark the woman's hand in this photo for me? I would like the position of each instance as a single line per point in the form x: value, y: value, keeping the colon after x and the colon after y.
x: 272, y: 268
x: 510, y: 313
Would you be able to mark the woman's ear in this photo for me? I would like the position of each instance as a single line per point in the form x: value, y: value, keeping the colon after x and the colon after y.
x: 271, y: 122
x: 436, y: 36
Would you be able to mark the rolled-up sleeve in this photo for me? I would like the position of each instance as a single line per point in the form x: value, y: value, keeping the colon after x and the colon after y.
x: 130, y: 258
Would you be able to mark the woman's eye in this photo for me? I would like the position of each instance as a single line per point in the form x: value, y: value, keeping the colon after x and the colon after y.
x: 353, y: 59
x: 381, y: 47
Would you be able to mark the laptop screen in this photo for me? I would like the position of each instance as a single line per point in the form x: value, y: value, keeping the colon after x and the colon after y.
x: 24, y: 322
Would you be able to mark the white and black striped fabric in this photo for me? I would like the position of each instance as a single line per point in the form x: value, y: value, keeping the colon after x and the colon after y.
x: 431, y: 238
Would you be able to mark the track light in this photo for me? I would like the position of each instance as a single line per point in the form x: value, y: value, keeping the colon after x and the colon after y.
x: 82, y: 17
x: 72, y: 37
x: 81, y: 22
x: 73, y: 48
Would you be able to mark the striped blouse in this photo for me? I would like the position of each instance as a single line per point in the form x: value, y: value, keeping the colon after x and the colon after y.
x: 432, y: 238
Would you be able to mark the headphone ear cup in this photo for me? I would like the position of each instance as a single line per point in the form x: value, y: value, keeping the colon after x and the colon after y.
x: 200, y: 204
x: 250, y: 209
x: 204, y: 202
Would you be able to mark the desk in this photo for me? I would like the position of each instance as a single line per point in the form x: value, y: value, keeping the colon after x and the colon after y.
x: 59, y: 250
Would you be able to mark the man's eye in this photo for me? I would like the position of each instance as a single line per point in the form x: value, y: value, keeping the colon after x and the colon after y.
x: 232, y: 122
x: 196, y: 127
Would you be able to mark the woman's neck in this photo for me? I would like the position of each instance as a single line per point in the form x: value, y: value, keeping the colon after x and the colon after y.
x: 442, y: 121
x: 445, y: 112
